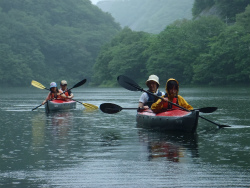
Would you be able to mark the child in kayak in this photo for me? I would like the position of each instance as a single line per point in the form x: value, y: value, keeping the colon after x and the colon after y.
x: 146, y: 100
x: 64, y: 92
x: 53, y: 94
x: 172, y: 89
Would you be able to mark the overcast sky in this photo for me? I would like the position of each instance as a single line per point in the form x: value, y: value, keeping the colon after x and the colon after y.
x: 94, y: 1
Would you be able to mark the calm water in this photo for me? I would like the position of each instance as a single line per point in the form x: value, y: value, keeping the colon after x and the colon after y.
x: 82, y: 148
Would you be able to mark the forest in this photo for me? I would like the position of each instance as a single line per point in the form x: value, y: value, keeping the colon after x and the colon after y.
x: 50, y: 40
x: 203, y: 51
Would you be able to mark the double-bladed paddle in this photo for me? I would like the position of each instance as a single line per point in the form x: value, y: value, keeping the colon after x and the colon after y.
x: 111, y: 108
x: 86, y: 105
x: 131, y: 85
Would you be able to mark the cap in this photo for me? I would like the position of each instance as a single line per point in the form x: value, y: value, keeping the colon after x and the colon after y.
x: 63, y: 82
x: 153, y: 78
x: 53, y: 84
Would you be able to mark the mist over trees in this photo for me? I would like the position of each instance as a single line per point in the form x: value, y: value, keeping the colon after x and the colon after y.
x: 147, y: 15
x: 201, y: 51
x: 50, y: 40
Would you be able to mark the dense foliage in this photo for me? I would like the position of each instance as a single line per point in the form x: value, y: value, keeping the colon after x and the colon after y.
x: 201, y: 51
x: 150, y: 16
x: 50, y: 40
x: 227, y: 9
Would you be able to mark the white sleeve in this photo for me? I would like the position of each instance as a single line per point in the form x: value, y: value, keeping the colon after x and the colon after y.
x: 144, y: 98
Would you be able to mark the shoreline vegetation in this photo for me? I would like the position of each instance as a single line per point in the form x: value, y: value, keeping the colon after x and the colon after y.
x: 50, y: 40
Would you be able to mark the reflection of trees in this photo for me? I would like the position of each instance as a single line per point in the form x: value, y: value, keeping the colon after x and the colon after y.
x: 172, y: 146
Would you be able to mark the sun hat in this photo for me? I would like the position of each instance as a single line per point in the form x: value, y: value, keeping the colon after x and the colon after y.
x: 153, y: 78
x: 53, y: 84
x: 63, y: 82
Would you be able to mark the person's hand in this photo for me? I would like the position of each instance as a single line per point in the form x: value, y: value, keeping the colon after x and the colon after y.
x: 145, y: 107
x: 164, y: 100
x: 43, y: 102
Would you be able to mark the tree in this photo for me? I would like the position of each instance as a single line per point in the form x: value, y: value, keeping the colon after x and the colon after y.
x: 124, y: 55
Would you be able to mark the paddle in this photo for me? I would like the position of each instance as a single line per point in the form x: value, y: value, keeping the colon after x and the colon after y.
x: 114, y: 108
x: 86, y: 105
x: 131, y: 85
x: 38, y: 106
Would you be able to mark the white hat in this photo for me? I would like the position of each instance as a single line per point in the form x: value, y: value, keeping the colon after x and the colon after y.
x: 153, y: 78
x: 63, y: 82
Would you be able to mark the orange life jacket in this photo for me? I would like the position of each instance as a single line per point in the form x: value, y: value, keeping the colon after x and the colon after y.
x: 167, y: 105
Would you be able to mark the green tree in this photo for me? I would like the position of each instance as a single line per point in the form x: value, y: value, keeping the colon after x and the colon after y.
x: 123, y: 56
x: 57, y: 38
x: 226, y: 62
x: 179, y: 45
x: 243, y: 19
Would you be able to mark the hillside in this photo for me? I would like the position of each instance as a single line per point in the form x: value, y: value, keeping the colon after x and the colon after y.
x: 50, y: 40
x: 147, y: 15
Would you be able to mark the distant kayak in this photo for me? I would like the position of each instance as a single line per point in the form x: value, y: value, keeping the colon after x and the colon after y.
x: 170, y: 120
x: 58, y: 105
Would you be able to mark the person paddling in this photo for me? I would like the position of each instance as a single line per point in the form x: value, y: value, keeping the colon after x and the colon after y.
x: 53, y: 94
x: 64, y: 92
x: 146, y: 100
x: 172, y: 90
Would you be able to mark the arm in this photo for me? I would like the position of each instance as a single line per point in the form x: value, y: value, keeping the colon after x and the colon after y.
x: 184, y: 104
x: 70, y: 95
x: 143, y: 100
x: 158, y: 105
x: 47, y: 98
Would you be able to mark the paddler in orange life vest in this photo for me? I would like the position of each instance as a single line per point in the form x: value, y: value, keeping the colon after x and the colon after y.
x: 172, y: 90
x: 64, y: 92
x: 146, y: 100
x: 53, y: 94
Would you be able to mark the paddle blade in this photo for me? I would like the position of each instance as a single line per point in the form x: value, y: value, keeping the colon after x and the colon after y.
x: 38, y: 85
x: 207, y: 109
x: 90, y: 106
x: 79, y: 84
x: 128, y: 84
x: 110, y: 108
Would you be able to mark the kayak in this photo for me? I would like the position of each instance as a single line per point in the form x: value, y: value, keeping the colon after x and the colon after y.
x: 58, y: 105
x: 170, y: 120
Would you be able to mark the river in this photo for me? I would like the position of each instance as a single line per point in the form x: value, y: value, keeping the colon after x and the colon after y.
x: 84, y: 148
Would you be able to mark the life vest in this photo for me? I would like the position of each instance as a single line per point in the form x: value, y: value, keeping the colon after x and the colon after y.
x: 53, y: 96
x: 152, y: 99
x: 66, y: 92
x: 168, y: 105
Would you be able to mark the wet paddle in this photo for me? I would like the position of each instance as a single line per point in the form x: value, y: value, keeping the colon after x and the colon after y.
x: 110, y: 108
x: 86, y: 105
x: 131, y: 85
x: 114, y: 108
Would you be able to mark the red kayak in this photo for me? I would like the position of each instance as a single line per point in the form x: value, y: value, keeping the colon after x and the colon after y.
x: 170, y: 120
x: 58, y: 105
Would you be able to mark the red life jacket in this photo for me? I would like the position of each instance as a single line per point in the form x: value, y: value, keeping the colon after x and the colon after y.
x: 66, y: 93
x: 167, y: 105
x: 53, y: 96
x: 175, y: 101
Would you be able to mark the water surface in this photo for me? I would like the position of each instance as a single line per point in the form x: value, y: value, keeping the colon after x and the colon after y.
x: 83, y: 148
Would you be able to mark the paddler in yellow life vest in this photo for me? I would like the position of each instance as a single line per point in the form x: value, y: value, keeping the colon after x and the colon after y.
x: 53, y: 94
x: 146, y: 100
x: 64, y: 92
x: 172, y: 90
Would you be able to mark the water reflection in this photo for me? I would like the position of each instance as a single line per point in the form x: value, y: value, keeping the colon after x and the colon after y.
x: 171, y: 146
